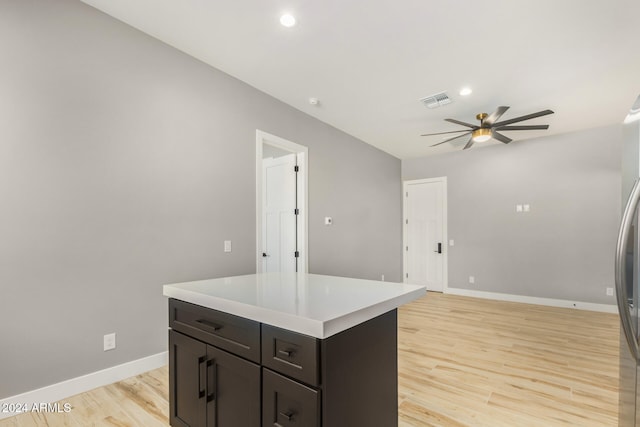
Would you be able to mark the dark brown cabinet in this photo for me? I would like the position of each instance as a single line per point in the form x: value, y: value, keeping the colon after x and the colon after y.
x: 187, y: 357
x: 210, y: 387
x: 214, y: 379
x: 227, y: 371
x: 287, y: 403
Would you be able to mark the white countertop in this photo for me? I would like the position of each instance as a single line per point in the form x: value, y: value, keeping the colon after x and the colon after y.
x: 311, y: 304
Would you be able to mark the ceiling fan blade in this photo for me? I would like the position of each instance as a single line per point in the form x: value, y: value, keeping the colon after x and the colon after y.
x: 458, y: 122
x: 521, y: 118
x: 469, y: 144
x: 451, y: 139
x: 494, y: 116
x: 500, y: 138
x: 531, y: 127
x: 443, y: 133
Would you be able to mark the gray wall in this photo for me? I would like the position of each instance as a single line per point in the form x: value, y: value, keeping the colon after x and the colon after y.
x: 124, y: 164
x: 564, y: 247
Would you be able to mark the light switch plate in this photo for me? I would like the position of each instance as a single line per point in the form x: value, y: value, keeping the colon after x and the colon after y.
x: 227, y: 245
x: 518, y: 208
x: 526, y: 208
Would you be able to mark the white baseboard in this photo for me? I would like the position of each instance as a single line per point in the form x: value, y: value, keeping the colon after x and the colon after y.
x: 65, y: 389
x: 606, y: 308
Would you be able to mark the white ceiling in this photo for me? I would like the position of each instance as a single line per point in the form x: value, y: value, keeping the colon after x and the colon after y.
x: 370, y: 61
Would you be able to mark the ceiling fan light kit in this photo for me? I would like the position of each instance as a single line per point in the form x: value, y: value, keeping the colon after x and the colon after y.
x: 481, y: 135
x: 489, y: 127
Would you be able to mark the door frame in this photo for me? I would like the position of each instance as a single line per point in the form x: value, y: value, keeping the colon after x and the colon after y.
x: 302, y: 154
x: 445, y: 234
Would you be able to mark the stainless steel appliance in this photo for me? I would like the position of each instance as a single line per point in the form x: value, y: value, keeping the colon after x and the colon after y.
x: 627, y: 276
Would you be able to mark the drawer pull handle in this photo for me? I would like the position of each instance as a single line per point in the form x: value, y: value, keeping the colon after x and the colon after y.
x: 287, y: 353
x: 205, y: 322
x: 287, y: 415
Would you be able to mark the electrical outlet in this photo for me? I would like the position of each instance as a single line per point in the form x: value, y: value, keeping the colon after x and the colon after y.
x: 610, y: 292
x: 227, y: 245
x: 472, y: 279
x: 110, y: 341
x: 382, y: 277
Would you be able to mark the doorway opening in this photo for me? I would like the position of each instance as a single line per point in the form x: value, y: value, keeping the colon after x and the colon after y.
x: 281, y: 205
x: 425, y: 233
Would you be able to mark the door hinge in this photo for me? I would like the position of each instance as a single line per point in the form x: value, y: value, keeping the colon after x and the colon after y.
x: 407, y: 248
x: 406, y: 275
x: 296, y: 211
x: 296, y: 168
x: 406, y: 221
x: 297, y: 254
x: 407, y: 194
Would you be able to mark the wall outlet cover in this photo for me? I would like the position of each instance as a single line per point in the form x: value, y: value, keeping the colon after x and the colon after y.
x: 610, y: 292
x: 109, y: 341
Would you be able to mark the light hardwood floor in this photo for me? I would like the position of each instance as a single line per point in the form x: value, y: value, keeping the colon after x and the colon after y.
x: 469, y: 362
x: 462, y: 362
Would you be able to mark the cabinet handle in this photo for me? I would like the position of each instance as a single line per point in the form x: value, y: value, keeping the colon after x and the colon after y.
x: 209, y: 324
x: 287, y: 415
x: 287, y: 353
x: 202, y: 378
x: 211, y: 380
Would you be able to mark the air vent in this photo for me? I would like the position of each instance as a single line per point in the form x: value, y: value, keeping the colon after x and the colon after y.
x: 437, y: 100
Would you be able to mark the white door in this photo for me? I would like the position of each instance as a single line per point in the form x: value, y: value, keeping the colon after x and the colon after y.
x: 279, y: 217
x: 425, y: 233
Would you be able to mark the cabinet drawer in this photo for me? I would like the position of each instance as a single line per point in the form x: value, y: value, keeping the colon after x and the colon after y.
x: 290, y: 353
x: 286, y: 403
x: 232, y: 333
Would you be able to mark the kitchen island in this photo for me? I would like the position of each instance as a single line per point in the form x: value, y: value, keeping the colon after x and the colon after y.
x: 284, y: 349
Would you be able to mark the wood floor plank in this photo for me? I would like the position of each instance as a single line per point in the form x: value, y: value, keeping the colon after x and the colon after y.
x: 463, y: 362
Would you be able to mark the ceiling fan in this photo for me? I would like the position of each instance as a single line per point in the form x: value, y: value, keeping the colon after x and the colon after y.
x: 489, y: 127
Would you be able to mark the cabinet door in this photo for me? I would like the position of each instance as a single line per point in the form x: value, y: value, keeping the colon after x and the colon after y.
x: 187, y: 362
x: 233, y: 390
x: 287, y: 403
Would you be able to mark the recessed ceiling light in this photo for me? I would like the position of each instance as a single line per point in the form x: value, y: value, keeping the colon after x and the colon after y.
x: 288, y: 20
x: 465, y: 91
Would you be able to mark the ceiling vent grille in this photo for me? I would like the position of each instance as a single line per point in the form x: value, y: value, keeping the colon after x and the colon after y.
x: 437, y: 100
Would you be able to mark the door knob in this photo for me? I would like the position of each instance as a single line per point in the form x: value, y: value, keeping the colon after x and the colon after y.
x: 439, y: 251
